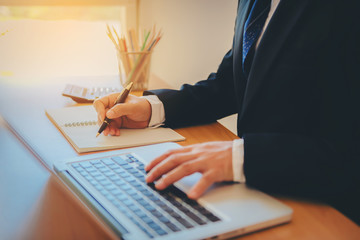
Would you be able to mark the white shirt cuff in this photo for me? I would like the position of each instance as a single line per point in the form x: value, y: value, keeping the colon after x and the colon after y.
x: 238, y: 161
x: 157, y: 111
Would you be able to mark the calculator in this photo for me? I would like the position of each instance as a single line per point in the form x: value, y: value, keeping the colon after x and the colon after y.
x: 86, y: 95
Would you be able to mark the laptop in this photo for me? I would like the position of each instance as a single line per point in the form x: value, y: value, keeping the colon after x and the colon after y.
x: 112, y: 184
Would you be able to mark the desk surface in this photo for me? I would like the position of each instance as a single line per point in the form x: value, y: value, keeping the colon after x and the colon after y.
x: 48, y: 210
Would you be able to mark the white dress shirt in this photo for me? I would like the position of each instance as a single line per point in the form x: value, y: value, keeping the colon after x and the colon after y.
x: 158, y: 116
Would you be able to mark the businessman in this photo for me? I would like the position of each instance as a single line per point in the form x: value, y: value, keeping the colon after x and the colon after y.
x: 293, y: 77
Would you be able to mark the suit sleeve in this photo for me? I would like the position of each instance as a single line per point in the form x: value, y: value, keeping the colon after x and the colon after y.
x: 204, y: 102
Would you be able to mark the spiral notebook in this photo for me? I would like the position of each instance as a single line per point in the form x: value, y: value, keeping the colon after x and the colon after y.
x: 79, y: 126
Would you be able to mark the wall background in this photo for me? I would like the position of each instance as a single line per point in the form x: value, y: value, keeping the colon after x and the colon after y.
x: 197, y: 34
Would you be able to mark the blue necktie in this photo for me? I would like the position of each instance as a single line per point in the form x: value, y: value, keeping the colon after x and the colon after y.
x: 252, y: 30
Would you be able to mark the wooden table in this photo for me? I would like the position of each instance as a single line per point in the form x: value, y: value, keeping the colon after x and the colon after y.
x: 53, y: 212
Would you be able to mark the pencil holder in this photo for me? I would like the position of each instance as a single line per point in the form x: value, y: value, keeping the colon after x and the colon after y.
x: 134, y: 67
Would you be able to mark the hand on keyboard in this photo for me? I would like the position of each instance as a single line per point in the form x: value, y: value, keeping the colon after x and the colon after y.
x: 212, y: 159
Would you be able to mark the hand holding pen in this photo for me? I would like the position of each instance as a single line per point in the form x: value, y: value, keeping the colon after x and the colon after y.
x: 120, y: 99
x: 134, y: 112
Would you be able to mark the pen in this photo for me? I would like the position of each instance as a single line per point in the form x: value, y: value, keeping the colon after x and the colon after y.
x: 120, y: 99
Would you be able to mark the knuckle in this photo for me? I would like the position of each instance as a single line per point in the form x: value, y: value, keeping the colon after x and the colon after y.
x: 97, y: 105
x: 174, y: 159
x: 154, y: 172
x: 99, y: 102
x: 157, y: 171
x: 170, y: 152
x: 165, y: 181
x: 167, y: 153
x: 186, y: 167
x: 117, y: 108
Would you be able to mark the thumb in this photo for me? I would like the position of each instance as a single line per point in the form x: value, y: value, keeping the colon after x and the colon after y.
x: 119, y: 110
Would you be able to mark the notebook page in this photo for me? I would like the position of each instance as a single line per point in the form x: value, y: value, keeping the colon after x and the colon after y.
x: 78, y: 124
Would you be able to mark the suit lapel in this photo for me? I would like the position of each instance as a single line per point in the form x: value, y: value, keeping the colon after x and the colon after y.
x: 279, y: 27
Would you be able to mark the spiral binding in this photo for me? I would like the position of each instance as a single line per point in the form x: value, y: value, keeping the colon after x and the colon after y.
x: 79, y: 124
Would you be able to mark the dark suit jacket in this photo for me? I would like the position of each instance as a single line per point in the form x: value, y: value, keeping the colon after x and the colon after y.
x: 299, y: 107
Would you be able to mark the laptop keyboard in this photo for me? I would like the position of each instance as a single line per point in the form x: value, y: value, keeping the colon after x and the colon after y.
x: 121, y: 179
